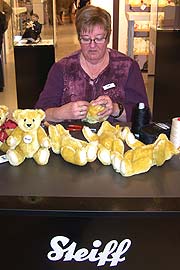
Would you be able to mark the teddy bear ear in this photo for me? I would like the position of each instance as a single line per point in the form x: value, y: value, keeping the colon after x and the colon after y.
x: 41, y: 113
x: 4, y: 108
x: 16, y: 114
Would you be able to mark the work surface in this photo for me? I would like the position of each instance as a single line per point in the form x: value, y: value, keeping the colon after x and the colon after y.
x: 60, y: 185
x: 85, y: 205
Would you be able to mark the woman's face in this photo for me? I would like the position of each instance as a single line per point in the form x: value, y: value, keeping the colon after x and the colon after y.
x: 94, y: 51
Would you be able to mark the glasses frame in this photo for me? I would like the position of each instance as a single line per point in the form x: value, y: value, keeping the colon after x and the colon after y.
x: 90, y: 40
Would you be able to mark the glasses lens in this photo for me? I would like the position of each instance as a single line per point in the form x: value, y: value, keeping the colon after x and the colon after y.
x: 97, y: 40
x: 85, y: 40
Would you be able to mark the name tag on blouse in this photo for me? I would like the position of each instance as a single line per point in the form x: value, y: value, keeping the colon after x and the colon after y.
x: 108, y: 86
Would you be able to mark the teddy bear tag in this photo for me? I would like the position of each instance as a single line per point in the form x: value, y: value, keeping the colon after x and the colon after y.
x: 27, y: 139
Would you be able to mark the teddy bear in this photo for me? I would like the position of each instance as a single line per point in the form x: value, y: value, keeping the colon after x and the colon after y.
x: 6, y: 127
x: 139, y: 158
x: 72, y: 150
x: 108, y: 138
x: 28, y: 139
x: 92, y: 114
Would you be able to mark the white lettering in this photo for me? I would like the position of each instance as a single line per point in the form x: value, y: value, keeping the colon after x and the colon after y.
x: 113, y: 251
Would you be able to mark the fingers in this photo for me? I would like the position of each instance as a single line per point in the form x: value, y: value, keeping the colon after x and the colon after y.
x: 79, y: 109
x: 106, y: 102
x: 103, y: 100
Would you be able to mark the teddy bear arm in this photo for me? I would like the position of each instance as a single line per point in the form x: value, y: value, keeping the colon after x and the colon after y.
x: 15, y: 138
x: 43, y: 138
x: 89, y: 135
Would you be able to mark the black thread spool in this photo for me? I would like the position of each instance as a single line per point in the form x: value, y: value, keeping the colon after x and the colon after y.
x: 141, y: 118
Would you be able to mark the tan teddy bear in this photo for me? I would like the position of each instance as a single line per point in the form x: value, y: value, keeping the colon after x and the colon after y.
x: 72, y: 150
x: 112, y: 141
x: 29, y: 139
x: 108, y: 138
x: 142, y: 158
x: 6, y: 127
x: 92, y: 114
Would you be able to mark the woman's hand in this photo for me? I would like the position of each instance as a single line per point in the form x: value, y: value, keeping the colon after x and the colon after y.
x: 107, y: 103
x: 71, y: 110
x: 76, y: 109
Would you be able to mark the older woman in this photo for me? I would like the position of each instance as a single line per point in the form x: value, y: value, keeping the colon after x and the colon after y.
x: 94, y: 73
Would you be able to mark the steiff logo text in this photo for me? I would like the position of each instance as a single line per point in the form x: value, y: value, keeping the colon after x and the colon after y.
x: 113, y: 251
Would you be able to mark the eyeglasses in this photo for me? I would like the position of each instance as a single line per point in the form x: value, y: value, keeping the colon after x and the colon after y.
x: 97, y: 40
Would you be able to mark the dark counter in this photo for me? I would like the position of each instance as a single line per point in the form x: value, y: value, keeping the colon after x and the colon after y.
x: 94, y: 187
x: 51, y: 216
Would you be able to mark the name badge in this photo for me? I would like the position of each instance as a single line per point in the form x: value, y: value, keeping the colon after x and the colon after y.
x: 108, y: 86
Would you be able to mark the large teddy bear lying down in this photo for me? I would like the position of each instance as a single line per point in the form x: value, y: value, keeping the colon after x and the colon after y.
x: 140, y: 158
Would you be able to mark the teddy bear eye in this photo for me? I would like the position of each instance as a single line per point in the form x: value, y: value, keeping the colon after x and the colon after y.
x: 33, y: 120
x: 25, y: 120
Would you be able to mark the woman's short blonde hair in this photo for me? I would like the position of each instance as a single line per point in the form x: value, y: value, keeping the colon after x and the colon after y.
x: 90, y: 16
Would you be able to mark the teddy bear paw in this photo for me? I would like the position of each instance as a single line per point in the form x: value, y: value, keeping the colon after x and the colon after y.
x: 104, y: 155
x: 42, y: 156
x: 45, y: 143
x: 91, y: 150
x: 13, y: 158
x: 11, y: 141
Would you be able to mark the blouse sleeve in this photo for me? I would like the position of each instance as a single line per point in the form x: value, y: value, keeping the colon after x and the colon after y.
x: 135, y: 90
x: 52, y: 93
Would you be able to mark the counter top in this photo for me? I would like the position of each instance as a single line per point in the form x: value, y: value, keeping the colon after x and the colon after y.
x: 93, y: 187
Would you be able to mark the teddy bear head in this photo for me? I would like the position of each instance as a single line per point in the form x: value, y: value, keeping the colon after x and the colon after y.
x: 3, y: 114
x: 28, y: 119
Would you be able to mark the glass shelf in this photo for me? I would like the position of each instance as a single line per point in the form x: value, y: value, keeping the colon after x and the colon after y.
x: 22, y: 16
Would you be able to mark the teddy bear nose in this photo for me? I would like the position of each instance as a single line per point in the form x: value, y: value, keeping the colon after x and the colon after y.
x: 29, y: 125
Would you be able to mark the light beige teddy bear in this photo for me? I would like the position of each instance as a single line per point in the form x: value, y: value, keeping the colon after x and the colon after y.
x: 142, y: 158
x: 29, y: 139
x: 72, y: 150
x: 108, y: 138
x: 138, y: 157
x: 92, y: 114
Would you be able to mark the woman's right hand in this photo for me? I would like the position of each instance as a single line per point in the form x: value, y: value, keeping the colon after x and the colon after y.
x: 71, y: 110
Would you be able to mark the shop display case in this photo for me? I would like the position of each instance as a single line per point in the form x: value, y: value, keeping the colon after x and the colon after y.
x: 33, y: 54
x: 138, y: 16
x: 164, y: 58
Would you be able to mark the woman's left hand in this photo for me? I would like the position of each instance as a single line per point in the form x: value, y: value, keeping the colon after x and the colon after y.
x: 107, y: 103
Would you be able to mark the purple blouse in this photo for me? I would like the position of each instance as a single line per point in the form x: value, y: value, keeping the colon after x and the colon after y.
x: 121, y: 80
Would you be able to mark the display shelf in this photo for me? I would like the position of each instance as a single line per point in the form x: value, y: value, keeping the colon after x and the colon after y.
x: 138, y: 16
x: 142, y: 30
x: 34, y: 48
x: 140, y: 53
x: 40, y: 43
x: 138, y: 36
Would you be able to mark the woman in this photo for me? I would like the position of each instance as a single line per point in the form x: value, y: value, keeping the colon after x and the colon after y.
x: 94, y: 73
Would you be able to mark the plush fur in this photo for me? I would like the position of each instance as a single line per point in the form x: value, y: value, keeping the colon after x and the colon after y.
x: 92, y: 114
x: 138, y: 159
x: 28, y: 139
x: 72, y: 150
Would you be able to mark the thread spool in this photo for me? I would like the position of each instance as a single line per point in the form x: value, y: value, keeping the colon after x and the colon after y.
x: 141, y: 118
x: 175, y: 132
